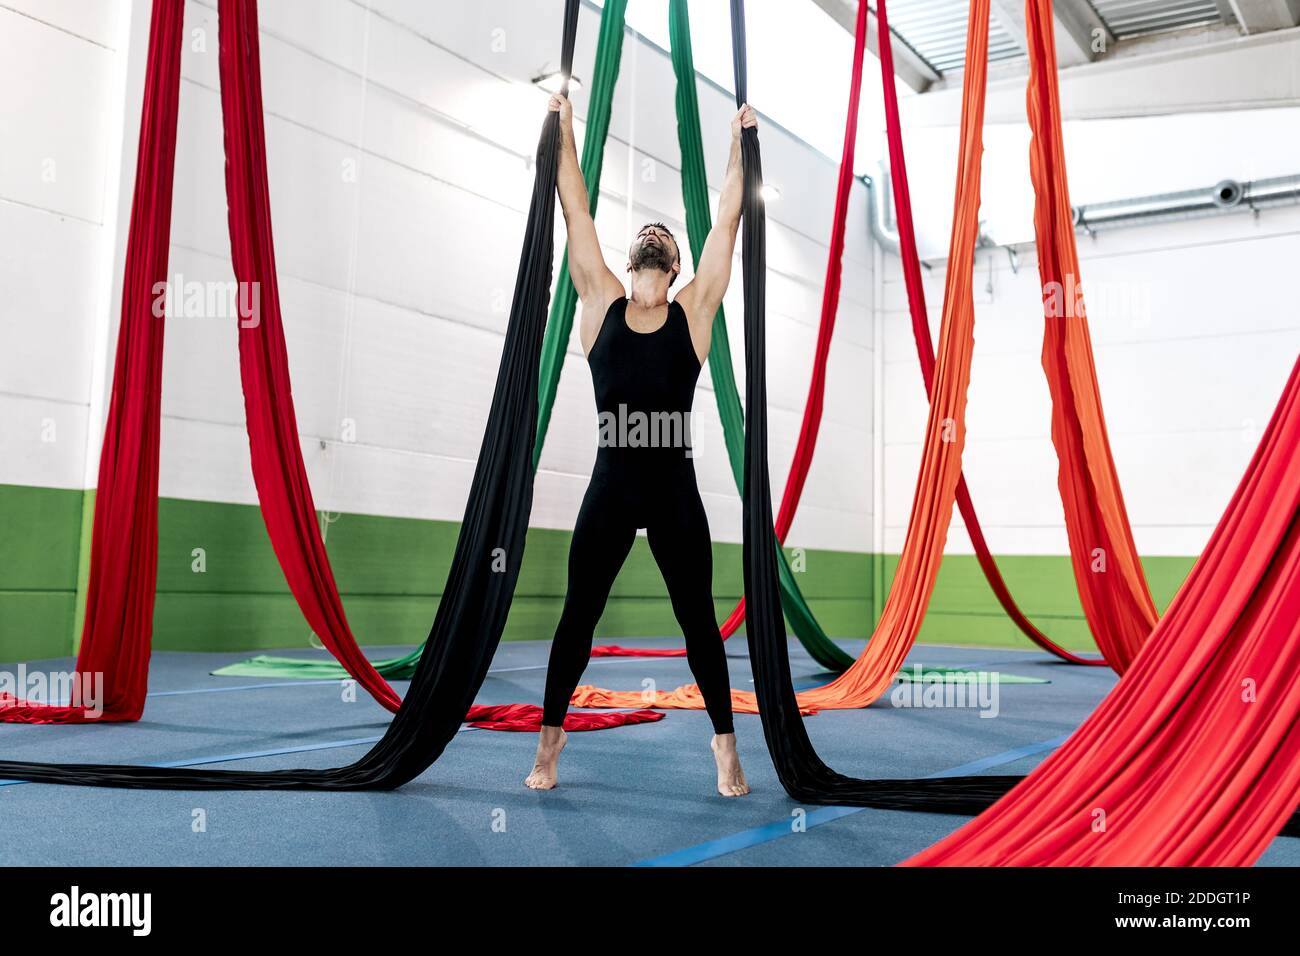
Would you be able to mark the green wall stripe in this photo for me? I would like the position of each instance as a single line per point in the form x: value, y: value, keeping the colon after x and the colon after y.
x: 40, y: 544
x: 390, y: 570
x: 964, y: 610
x: 86, y: 520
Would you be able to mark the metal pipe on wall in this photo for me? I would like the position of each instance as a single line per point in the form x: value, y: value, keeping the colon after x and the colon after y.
x: 1226, y: 196
x: 882, y: 229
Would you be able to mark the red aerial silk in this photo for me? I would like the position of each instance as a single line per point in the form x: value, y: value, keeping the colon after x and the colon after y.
x: 115, y: 640
x: 925, y: 348
x: 812, y: 410
x: 1194, y: 758
x: 1112, y: 585
x: 936, y: 487
x: 528, y: 717
x: 278, y: 469
x: 124, y: 546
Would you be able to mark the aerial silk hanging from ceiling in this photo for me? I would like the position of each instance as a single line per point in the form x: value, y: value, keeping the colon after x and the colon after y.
x: 1272, y: 793
x: 472, y: 614
x: 695, y: 198
x: 129, y: 466
x: 800, y: 770
x: 695, y: 195
x: 1112, y: 585
x: 911, y: 264
x: 609, y: 49
x: 477, y: 595
x: 115, y: 639
x: 874, y: 670
x: 123, y: 572
x: 812, y: 414
x: 1193, y: 759
x: 470, y: 618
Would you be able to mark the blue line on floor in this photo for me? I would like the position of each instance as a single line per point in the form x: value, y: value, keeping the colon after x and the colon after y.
x: 997, y: 760
x: 774, y: 831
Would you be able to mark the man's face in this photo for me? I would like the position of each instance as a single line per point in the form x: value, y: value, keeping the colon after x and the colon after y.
x: 654, y: 248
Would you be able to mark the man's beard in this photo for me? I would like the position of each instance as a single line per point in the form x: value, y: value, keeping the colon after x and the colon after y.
x: 652, y: 255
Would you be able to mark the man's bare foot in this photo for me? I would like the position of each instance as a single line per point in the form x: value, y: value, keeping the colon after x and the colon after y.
x: 550, y: 742
x: 731, y: 779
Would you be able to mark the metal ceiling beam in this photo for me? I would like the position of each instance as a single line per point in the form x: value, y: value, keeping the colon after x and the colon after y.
x: 909, y: 67
x: 1261, y: 16
x: 1228, y: 14
x: 1081, y: 35
x: 1145, y: 77
x: 1010, y: 15
x: 1080, y: 32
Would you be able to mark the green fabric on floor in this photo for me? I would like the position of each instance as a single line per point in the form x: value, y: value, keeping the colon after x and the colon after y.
x: 297, y: 668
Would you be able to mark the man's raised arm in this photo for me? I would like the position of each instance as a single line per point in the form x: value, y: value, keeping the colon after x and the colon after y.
x: 703, y: 294
x: 591, y: 277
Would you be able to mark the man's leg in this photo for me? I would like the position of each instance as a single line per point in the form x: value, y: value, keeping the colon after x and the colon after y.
x: 602, y: 538
x: 680, y: 542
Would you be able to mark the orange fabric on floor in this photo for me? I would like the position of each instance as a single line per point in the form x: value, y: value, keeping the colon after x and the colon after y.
x: 945, y: 433
x: 686, y: 697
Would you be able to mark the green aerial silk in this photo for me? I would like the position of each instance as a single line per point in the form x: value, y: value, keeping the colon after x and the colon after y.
x: 559, y: 327
x: 695, y: 196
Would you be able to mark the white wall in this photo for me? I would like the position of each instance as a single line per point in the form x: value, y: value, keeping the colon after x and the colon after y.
x: 1195, y: 331
x: 398, y: 145
x: 62, y: 68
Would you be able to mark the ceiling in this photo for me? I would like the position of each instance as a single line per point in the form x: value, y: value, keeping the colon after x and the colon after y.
x: 933, y: 32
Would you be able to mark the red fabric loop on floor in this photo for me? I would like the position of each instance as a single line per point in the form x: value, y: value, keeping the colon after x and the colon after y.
x: 614, y: 650
x: 528, y: 717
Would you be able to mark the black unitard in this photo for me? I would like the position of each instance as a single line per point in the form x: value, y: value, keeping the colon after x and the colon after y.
x: 644, y: 478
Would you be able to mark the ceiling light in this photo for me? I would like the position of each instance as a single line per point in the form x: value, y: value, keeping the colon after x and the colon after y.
x: 551, y: 81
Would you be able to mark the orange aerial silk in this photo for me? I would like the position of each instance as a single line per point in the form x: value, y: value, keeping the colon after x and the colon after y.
x: 1112, y: 586
x: 936, y: 486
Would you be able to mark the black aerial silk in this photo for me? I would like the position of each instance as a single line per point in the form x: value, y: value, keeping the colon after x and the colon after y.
x: 801, y: 771
x: 476, y: 599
